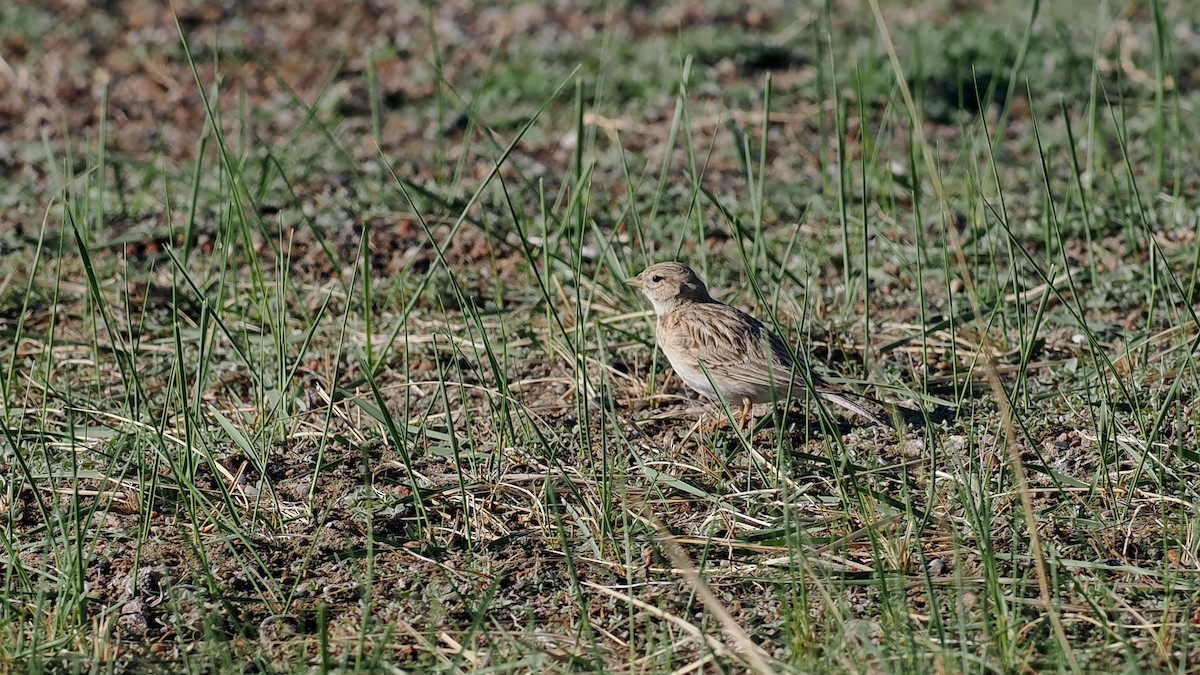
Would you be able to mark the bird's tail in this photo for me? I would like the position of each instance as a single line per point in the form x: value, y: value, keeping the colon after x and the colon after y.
x: 853, y: 407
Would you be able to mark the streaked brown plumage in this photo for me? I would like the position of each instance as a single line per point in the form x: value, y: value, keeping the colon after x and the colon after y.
x: 718, y: 349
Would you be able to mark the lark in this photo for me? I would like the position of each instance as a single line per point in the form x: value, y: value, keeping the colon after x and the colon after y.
x: 722, y: 352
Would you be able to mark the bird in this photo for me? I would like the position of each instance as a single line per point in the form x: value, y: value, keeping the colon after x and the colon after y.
x: 720, y: 351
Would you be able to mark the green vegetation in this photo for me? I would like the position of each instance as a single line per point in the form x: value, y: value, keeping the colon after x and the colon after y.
x: 314, y: 352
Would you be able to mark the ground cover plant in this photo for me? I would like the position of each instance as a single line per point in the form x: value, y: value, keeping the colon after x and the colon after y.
x: 315, y: 355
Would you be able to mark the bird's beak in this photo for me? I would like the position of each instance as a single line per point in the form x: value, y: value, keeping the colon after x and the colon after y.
x: 636, y: 282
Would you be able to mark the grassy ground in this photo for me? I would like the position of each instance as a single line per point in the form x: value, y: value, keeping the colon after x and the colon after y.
x: 314, y: 353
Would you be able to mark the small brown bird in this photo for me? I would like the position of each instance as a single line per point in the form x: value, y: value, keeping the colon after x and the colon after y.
x: 718, y: 349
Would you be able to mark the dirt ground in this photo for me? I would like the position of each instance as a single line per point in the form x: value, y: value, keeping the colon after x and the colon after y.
x: 239, y: 522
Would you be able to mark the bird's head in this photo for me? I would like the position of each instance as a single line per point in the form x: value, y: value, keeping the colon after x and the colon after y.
x: 667, y: 284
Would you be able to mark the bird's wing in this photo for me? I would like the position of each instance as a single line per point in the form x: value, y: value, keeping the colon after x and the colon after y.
x: 732, y: 345
x: 741, y: 354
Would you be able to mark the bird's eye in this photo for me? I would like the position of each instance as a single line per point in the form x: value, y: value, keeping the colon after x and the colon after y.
x: 656, y: 279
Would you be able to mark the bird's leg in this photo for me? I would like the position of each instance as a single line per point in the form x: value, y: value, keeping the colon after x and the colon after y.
x: 713, y: 424
x: 746, y: 405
